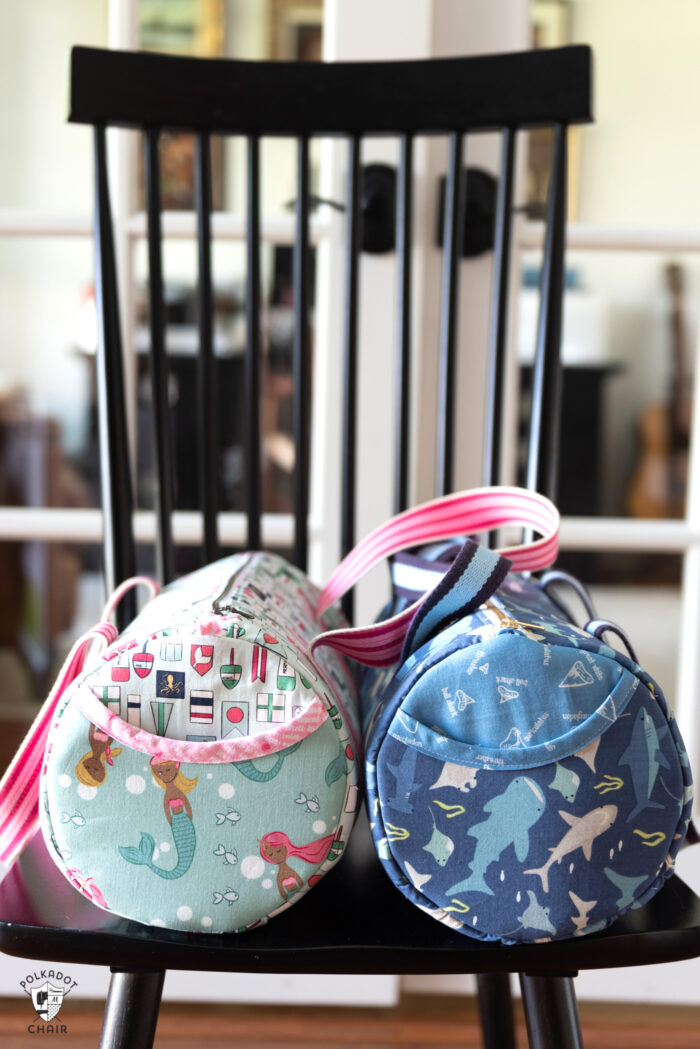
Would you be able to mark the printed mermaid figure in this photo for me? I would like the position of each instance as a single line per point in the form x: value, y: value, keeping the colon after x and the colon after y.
x: 178, y: 813
x: 91, y: 770
x: 275, y: 847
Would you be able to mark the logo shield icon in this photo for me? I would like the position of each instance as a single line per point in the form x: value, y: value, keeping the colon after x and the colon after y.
x: 47, y: 1000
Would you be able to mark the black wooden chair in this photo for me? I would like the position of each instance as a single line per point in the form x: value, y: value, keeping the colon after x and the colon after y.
x: 375, y: 930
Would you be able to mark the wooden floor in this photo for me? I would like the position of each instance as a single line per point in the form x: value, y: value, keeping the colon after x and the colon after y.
x: 417, y: 1023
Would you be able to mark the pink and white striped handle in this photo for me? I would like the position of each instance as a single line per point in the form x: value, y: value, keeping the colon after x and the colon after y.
x: 19, y: 787
x: 462, y: 513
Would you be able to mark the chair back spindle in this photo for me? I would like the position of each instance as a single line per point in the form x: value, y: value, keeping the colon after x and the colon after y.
x: 115, y: 473
x: 453, y: 232
x: 543, y: 453
x: 252, y: 435
x: 162, y: 429
x: 207, y: 387
x: 349, y: 427
x: 402, y: 369
x: 301, y: 364
x: 496, y: 361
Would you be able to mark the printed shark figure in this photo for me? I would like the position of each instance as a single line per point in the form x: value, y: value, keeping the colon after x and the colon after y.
x: 588, y: 753
x: 644, y: 759
x: 583, y: 830
x: 583, y: 909
x: 627, y: 886
x: 418, y: 880
x: 404, y: 774
x: 535, y: 916
x: 461, y: 777
x: 512, y: 814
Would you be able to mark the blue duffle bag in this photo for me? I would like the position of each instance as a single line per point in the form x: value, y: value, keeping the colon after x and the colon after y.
x: 525, y: 780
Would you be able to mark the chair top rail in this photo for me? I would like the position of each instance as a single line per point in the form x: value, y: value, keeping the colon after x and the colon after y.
x: 229, y: 96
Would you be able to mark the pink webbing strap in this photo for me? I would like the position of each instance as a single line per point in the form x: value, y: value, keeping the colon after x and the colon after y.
x: 462, y: 513
x: 19, y: 787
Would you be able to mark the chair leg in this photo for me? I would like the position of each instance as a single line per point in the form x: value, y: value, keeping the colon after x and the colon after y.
x: 131, y: 1011
x: 551, y: 1012
x: 496, y: 1008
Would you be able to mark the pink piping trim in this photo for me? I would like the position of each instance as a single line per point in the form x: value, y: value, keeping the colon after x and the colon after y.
x: 209, y: 753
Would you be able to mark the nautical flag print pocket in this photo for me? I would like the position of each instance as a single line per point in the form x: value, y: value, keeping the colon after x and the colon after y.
x: 213, y: 780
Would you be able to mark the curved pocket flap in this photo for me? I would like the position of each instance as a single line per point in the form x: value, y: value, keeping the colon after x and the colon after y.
x: 210, y: 752
x: 516, y: 750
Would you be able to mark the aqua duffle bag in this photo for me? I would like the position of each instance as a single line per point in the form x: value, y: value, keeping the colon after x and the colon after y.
x: 525, y: 780
x: 200, y: 772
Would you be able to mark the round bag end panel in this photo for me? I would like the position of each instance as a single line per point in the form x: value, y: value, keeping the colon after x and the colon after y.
x: 197, y: 846
x: 528, y: 854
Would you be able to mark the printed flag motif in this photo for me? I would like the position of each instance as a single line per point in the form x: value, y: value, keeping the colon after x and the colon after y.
x: 120, y: 672
x: 270, y: 641
x: 133, y: 709
x: 143, y: 663
x: 161, y: 716
x: 259, y: 663
x: 270, y: 707
x: 286, y: 678
x: 170, y: 684
x: 201, y: 706
x: 110, y: 695
x: 235, y: 718
x: 231, y: 672
x: 170, y: 651
x: 201, y: 658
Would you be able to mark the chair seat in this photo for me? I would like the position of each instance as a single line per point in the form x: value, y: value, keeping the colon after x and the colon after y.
x: 354, y: 921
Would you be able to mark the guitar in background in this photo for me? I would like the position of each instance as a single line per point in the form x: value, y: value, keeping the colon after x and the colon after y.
x: 658, y: 484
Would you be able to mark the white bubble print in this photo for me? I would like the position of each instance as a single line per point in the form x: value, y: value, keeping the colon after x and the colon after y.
x: 159, y: 922
x: 318, y: 826
x: 86, y: 793
x: 252, y: 867
x: 64, y: 781
x: 165, y: 846
x: 135, y: 784
x: 184, y: 913
x: 266, y: 883
x: 226, y: 790
x: 206, y: 921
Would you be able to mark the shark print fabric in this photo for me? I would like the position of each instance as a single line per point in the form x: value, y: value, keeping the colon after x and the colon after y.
x: 536, y: 775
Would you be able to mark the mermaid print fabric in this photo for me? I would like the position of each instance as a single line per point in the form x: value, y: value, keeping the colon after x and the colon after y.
x: 214, y: 846
x: 525, y: 781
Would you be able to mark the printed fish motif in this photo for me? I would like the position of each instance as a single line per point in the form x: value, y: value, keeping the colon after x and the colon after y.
x: 512, y: 815
x: 626, y: 886
x: 230, y: 895
x: 230, y: 855
x: 583, y: 909
x: 440, y: 846
x: 311, y: 804
x: 566, y: 781
x: 581, y: 835
x: 76, y: 820
x: 404, y: 774
x: 535, y: 916
x: 461, y: 777
x: 644, y: 759
x: 232, y: 816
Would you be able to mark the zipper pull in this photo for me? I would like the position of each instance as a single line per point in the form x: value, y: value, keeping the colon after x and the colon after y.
x: 222, y: 604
